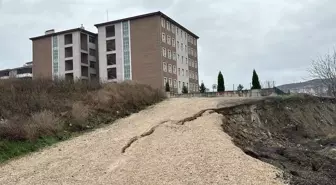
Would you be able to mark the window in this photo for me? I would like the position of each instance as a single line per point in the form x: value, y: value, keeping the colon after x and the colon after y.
x: 181, y: 33
x: 195, y: 41
x: 182, y: 72
x: 181, y: 46
x: 173, y: 28
x: 169, y: 54
x: 164, y: 66
x: 163, y: 37
x: 189, y: 50
x: 192, y: 52
x: 196, y: 76
x: 173, y: 42
x: 168, y: 40
x: 68, y: 39
x: 185, y: 35
x: 170, y: 82
x: 182, y: 59
x: 179, y: 71
x: 69, y: 65
x: 92, y: 39
x: 110, y: 31
x: 195, y: 64
x: 92, y: 64
x: 192, y: 64
x: 195, y: 53
x: 177, y: 30
x: 92, y: 52
x: 187, y: 85
x: 84, y: 41
x: 111, y: 59
x: 178, y: 57
x: 186, y: 48
x: 112, y: 73
x: 164, y: 52
x: 180, y: 84
x: 68, y: 52
x: 168, y: 25
x: 170, y: 68
x: 174, y: 69
x: 178, y: 45
x: 196, y: 87
x: 187, y: 73
x: 163, y: 22
x: 110, y: 45
x: 174, y: 56
x: 190, y: 87
x: 164, y: 81
x: 84, y: 58
x: 186, y: 60
x: 85, y: 71
x: 191, y: 75
x: 175, y: 85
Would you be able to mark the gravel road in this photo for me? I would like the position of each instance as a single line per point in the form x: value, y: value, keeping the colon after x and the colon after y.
x: 150, y: 147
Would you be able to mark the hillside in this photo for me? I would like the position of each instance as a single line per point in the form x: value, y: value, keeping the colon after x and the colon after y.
x: 313, y: 87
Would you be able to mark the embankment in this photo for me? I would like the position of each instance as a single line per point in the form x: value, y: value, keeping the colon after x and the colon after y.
x: 296, y: 134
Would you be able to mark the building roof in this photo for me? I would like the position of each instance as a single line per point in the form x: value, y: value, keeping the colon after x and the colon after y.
x: 22, y: 67
x: 144, y: 16
x: 63, y: 32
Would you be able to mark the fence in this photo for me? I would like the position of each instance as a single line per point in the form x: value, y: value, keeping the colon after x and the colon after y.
x: 244, y: 93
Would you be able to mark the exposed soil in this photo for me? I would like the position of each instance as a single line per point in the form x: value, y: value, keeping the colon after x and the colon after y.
x: 296, y: 134
x: 165, y: 144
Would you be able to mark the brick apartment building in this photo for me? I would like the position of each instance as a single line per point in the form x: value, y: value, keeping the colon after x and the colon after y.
x: 150, y: 48
x: 69, y: 54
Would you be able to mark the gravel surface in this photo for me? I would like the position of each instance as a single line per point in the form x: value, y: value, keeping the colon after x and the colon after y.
x: 147, y: 148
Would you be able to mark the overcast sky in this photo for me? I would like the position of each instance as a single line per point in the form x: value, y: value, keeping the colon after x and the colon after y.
x: 278, y: 38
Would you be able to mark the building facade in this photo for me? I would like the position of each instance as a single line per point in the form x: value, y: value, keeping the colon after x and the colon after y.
x: 20, y: 72
x: 151, y: 49
x: 70, y: 54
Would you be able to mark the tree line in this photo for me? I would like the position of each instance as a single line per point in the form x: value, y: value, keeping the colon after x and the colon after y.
x: 220, y: 84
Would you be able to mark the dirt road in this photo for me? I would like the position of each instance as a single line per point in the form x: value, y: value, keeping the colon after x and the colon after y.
x: 147, y: 148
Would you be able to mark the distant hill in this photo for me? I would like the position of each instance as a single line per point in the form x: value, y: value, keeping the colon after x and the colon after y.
x: 313, y: 87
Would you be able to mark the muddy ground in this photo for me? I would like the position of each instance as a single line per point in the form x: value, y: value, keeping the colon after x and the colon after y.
x: 296, y: 134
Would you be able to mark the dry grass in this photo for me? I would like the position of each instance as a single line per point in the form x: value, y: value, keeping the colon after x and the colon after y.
x: 38, y: 108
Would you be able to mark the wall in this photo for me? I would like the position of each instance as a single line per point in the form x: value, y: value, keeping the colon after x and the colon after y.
x: 102, y: 53
x: 42, y: 57
x: 146, y: 51
x: 182, y: 53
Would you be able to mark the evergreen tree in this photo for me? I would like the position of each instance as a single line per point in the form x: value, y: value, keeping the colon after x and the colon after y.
x: 167, y: 87
x: 220, y: 83
x: 202, y: 88
x: 240, y: 87
x: 255, y: 81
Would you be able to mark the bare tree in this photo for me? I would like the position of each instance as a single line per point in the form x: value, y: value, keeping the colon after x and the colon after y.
x: 324, y: 68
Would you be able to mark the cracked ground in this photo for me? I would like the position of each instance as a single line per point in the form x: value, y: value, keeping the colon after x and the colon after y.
x: 178, y: 141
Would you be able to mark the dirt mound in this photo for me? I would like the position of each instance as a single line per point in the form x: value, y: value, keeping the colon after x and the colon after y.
x: 296, y: 134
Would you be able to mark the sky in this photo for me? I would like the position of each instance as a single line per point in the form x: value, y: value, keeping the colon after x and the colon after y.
x: 277, y: 38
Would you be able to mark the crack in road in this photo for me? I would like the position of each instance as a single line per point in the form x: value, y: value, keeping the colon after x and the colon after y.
x: 151, y: 130
x: 147, y: 133
x: 180, y: 122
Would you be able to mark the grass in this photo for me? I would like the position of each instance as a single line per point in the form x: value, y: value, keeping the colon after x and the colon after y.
x: 10, y: 149
x: 39, y: 113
